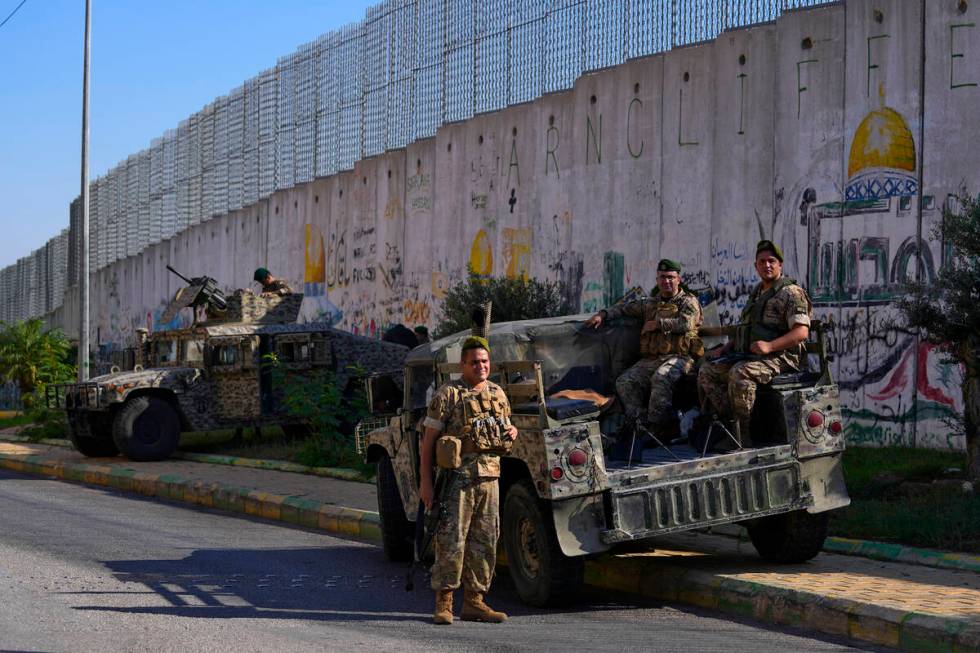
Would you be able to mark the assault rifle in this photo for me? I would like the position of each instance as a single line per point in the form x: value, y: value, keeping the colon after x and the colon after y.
x: 427, y: 523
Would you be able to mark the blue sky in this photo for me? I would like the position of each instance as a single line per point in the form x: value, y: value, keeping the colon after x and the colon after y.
x: 153, y: 64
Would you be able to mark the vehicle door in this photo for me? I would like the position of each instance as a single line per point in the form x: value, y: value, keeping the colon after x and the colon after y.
x: 235, y: 375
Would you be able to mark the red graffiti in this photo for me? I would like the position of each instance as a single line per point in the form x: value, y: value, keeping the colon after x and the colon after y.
x: 899, y: 378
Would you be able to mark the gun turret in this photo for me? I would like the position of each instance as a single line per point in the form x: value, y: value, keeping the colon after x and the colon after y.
x: 200, y: 291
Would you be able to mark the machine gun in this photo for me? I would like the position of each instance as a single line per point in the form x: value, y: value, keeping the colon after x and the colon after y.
x: 427, y: 523
x: 200, y: 291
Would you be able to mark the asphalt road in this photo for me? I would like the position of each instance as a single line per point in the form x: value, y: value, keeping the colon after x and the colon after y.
x: 86, y: 569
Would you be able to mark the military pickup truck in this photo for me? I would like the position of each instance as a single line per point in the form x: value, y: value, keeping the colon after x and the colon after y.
x: 211, y: 376
x: 563, y: 499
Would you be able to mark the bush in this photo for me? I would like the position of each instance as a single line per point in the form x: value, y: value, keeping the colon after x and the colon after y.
x: 325, y: 413
x: 32, y: 357
x: 513, y: 299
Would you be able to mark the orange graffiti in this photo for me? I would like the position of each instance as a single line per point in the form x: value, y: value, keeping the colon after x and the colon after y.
x: 415, y: 312
x: 481, y: 254
x: 315, y: 269
x: 517, y: 252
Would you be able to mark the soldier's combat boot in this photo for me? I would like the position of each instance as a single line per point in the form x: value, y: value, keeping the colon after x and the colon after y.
x: 443, y: 613
x: 475, y: 609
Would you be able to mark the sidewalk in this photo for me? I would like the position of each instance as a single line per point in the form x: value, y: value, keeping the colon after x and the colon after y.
x: 905, y: 606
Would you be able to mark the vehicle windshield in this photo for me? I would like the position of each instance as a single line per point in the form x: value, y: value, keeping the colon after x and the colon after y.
x: 421, y: 378
x: 193, y: 351
x: 166, y: 351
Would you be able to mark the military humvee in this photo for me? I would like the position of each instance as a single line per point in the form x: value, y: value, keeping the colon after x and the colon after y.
x: 210, y: 376
x: 563, y: 499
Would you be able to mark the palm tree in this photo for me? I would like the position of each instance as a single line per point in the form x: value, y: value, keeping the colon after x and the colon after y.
x: 31, y: 357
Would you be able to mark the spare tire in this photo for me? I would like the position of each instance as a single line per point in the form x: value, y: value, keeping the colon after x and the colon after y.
x: 146, y: 428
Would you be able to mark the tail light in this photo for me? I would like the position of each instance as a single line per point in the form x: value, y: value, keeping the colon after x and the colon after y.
x: 836, y: 427
x: 577, y: 458
x: 814, y: 419
x: 556, y: 473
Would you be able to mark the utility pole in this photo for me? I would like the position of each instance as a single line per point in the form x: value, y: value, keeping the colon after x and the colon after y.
x: 83, y: 345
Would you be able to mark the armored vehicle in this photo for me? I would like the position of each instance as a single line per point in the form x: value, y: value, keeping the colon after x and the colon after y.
x: 211, y: 375
x: 564, y: 499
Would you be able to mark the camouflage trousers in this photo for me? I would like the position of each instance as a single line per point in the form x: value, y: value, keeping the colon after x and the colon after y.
x: 466, y: 541
x: 647, y: 388
x: 731, y: 387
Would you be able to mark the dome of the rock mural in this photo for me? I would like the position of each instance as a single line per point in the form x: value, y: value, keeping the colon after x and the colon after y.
x: 881, y: 162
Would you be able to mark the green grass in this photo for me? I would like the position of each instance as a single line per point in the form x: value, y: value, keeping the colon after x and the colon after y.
x: 16, y: 420
x: 273, y: 444
x: 921, y: 515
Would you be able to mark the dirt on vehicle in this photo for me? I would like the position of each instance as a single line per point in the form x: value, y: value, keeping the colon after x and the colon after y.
x: 563, y: 498
x: 213, y: 375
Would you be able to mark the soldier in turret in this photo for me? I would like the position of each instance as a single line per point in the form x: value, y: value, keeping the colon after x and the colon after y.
x: 270, y: 284
x: 669, y: 345
x: 769, y: 340
x: 472, y: 414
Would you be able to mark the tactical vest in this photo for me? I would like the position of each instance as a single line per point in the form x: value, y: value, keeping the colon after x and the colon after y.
x: 658, y: 343
x: 750, y: 327
x: 484, y: 426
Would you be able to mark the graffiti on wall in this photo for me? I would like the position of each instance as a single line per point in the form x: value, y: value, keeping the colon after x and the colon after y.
x: 316, y: 306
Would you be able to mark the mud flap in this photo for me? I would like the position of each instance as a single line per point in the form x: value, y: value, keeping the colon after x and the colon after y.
x: 825, y: 477
x: 578, y: 523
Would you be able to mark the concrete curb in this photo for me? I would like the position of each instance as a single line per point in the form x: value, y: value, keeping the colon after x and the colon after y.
x: 906, y: 631
x: 360, y: 524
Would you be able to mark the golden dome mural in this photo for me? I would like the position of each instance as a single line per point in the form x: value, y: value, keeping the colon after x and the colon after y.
x: 882, y: 157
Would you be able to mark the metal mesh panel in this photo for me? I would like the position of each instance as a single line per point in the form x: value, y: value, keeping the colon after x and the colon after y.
x: 144, y: 199
x: 738, y: 14
x: 458, y: 61
x: 490, y: 68
x: 284, y: 122
x: 604, y: 34
x: 107, y: 219
x: 399, y: 107
x: 648, y: 26
x: 327, y: 104
x: 376, y: 63
x: 206, y: 135
x: 132, y: 205
x: 304, y: 113
x: 564, y: 50
x: 697, y: 20
x: 427, y: 91
x: 220, y: 191
x: 350, y: 96
x: 250, y: 144
x: 234, y: 135
x: 169, y: 207
x: 156, y: 191
x: 525, y: 46
x: 267, y: 133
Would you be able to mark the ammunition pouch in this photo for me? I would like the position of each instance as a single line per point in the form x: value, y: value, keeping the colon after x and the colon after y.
x: 485, y: 429
x: 449, y: 452
x: 655, y: 342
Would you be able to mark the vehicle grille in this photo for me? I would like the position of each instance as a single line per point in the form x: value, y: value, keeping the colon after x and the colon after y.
x: 72, y: 396
x: 364, y: 427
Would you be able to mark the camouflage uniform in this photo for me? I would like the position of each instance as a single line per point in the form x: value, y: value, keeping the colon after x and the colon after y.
x: 277, y: 287
x: 466, y: 542
x: 731, y: 387
x: 646, y: 389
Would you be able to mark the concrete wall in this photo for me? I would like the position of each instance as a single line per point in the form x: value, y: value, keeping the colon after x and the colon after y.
x: 808, y: 130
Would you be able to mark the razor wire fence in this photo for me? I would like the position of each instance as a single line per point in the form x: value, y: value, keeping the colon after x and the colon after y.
x: 395, y: 77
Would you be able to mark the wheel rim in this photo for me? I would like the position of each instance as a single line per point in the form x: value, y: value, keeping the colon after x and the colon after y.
x: 148, y: 430
x: 527, y: 546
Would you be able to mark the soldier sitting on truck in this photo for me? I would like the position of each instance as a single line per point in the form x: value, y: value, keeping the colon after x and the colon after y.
x: 669, y: 344
x: 769, y: 340
x: 270, y: 284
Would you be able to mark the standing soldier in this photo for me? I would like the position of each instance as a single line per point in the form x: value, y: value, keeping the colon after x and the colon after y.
x: 769, y: 340
x: 471, y: 415
x: 271, y: 285
x: 669, y: 343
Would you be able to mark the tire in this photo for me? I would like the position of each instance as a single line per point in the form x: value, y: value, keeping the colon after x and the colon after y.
x: 146, y: 429
x: 397, y: 533
x: 94, y: 446
x: 542, y: 574
x: 789, y: 538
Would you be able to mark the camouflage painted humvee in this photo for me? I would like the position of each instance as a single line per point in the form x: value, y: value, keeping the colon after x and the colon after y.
x: 210, y: 376
x: 563, y: 499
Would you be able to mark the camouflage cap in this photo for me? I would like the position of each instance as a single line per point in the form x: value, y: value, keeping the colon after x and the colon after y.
x: 476, y: 342
x: 260, y: 274
x: 769, y: 246
x: 421, y: 329
x: 666, y: 265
